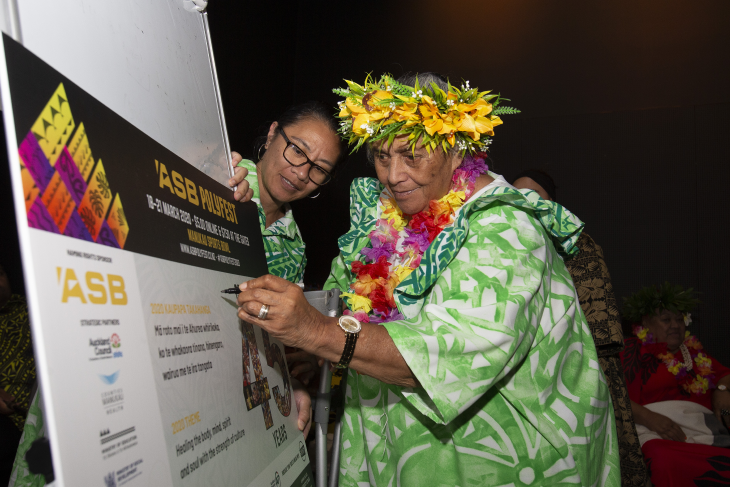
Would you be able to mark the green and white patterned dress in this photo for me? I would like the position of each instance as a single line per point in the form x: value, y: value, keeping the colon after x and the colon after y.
x: 511, y: 391
x: 282, y: 240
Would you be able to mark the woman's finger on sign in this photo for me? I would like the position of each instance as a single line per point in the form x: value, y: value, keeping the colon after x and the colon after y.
x: 304, y: 407
x: 243, y: 191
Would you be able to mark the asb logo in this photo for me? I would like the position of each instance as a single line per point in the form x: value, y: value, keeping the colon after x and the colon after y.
x: 94, y: 288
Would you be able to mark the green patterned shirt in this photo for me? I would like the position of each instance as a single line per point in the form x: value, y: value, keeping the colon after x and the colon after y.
x: 510, y: 391
x: 282, y: 241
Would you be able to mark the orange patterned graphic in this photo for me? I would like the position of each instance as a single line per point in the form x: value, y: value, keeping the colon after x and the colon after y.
x: 58, y: 202
x: 30, y: 189
x: 96, y: 201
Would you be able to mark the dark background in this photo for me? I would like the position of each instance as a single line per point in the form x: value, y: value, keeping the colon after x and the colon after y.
x: 625, y: 103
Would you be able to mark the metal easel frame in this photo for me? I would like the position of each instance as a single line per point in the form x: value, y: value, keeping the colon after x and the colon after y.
x: 328, y: 303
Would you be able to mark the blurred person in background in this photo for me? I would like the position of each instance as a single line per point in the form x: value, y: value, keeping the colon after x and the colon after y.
x: 680, y: 394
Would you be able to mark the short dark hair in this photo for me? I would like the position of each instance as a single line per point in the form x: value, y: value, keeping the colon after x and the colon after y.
x: 542, y: 178
x: 311, y: 110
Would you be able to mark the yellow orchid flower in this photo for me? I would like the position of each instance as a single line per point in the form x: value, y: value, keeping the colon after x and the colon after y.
x: 433, y: 125
x: 478, y: 108
x: 358, y: 303
x: 370, y: 100
x: 354, y: 107
x: 467, y: 124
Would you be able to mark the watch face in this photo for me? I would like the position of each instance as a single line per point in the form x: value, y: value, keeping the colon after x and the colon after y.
x: 350, y: 324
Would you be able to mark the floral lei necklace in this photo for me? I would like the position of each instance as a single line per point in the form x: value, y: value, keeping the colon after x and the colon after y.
x: 681, y: 365
x: 398, y: 243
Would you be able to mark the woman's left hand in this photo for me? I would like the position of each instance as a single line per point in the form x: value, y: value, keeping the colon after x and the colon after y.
x: 290, y: 318
x: 304, y: 406
x: 243, y: 192
x: 720, y: 401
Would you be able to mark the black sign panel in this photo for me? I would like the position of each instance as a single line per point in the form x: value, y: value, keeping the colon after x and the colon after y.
x: 89, y: 174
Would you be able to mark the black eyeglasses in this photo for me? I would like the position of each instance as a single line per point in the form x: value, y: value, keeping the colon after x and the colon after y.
x: 297, y: 158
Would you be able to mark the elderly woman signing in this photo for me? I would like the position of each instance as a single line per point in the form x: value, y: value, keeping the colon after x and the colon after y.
x: 470, y: 362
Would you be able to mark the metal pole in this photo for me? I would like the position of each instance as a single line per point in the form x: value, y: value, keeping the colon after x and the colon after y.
x: 340, y: 408
x: 321, y: 419
x: 328, y: 303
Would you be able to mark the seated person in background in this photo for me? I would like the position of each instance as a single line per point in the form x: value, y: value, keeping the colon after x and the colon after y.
x: 679, y: 394
x: 595, y: 292
x: 17, y: 373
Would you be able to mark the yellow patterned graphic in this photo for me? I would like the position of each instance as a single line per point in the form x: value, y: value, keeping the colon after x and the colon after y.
x: 55, y: 125
x: 81, y: 152
x: 118, y: 221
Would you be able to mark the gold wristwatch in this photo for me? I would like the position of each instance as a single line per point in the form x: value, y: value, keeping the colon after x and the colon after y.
x: 352, y: 328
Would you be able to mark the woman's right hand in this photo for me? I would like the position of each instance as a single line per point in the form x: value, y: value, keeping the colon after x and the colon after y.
x: 243, y: 192
x: 7, y: 403
x: 664, y: 427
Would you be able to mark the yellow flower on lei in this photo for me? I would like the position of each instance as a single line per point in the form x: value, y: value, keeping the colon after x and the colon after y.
x: 455, y: 199
x: 358, y: 303
x: 699, y: 385
x: 674, y: 369
x: 393, y: 214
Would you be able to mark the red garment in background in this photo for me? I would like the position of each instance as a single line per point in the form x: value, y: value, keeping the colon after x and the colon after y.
x: 673, y: 463
x: 648, y: 379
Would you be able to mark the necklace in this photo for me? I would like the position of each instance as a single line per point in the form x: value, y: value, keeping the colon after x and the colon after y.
x: 686, y: 356
x: 694, y: 372
x: 398, y: 242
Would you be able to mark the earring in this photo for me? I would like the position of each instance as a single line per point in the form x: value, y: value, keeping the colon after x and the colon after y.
x: 261, y: 147
x: 316, y: 195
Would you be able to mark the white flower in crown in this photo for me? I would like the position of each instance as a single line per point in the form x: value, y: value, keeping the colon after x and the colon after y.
x: 687, y: 319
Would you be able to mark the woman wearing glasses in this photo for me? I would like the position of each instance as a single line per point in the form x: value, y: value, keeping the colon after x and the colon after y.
x: 295, y: 159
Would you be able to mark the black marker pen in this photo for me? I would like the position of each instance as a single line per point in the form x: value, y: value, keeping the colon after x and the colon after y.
x: 234, y: 290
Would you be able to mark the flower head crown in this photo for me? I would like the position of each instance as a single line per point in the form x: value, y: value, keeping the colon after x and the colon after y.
x: 650, y: 299
x: 381, y: 110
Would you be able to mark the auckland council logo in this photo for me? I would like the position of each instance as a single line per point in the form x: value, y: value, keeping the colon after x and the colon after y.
x: 106, y: 348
